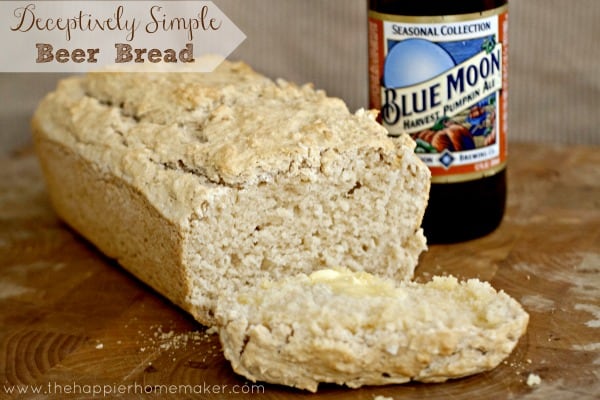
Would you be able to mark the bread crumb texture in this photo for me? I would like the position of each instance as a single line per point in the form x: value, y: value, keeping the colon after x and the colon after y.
x: 358, y: 329
x: 533, y: 380
x: 201, y: 184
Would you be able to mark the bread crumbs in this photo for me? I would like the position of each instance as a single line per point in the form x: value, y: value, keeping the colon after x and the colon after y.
x: 533, y: 380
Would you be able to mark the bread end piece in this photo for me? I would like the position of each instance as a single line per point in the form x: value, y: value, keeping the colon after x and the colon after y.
x: 356, y: 329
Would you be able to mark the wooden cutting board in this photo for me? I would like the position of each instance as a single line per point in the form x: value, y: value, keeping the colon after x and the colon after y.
x: 72, y: 321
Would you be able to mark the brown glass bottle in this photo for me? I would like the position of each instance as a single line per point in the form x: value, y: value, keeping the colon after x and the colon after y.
x: 465, y: 202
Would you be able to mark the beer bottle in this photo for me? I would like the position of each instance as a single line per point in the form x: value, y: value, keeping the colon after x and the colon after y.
x: 437, y: 71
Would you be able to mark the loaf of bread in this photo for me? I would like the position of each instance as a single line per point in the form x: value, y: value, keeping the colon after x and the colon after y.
x: 357, y: 329
x: 202, y: 184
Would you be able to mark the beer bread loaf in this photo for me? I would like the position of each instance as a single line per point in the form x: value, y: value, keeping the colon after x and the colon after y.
x: 357, y: 329
x: 201, y: 184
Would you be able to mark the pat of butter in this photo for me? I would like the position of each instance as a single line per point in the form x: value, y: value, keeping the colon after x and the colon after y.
x: 353, y: 283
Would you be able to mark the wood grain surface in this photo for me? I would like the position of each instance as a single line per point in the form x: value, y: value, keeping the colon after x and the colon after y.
x: 72, y: 322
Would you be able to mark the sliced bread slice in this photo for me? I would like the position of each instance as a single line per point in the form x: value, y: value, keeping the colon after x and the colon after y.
x: 357, y: 329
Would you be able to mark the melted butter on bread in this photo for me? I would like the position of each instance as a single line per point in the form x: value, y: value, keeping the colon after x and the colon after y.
x: 343, y: 281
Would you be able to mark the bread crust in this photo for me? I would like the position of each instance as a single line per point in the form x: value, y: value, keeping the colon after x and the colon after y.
x: 118, y: 219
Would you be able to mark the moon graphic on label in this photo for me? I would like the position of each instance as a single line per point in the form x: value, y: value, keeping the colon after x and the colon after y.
x: 413, y: 61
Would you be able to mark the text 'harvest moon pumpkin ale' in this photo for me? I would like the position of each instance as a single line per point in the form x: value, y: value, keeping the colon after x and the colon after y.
x: 438, y: 71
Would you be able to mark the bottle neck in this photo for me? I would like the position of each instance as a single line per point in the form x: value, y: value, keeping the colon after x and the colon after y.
x: 433, y: 7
